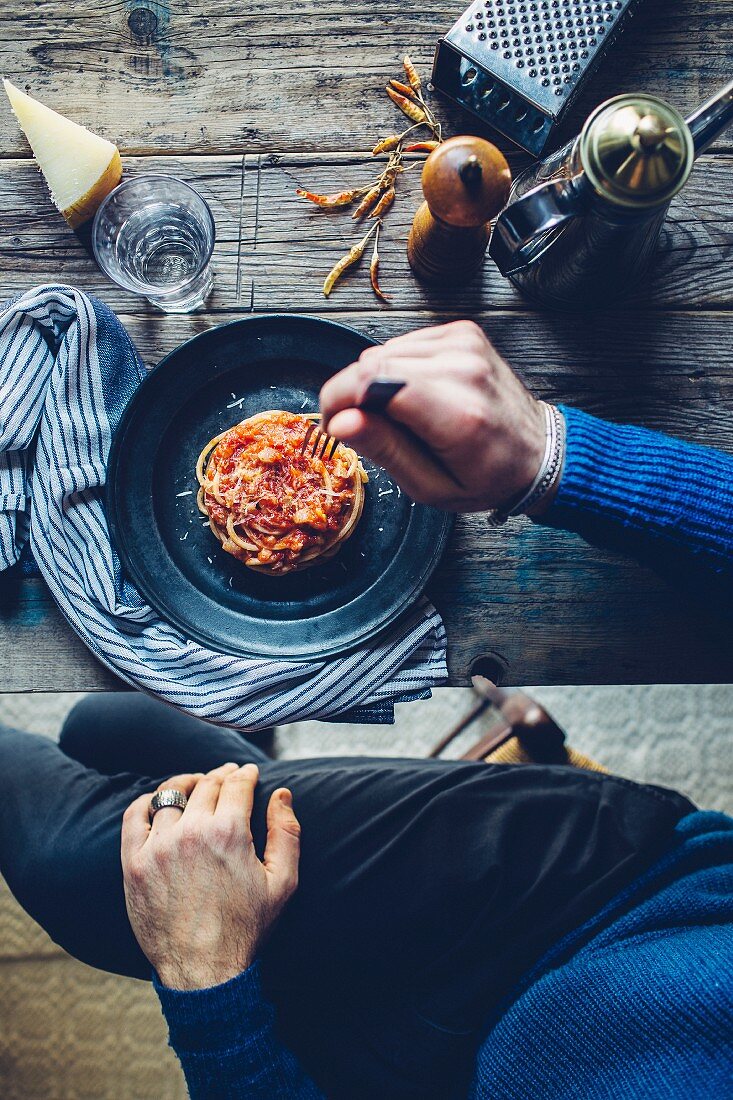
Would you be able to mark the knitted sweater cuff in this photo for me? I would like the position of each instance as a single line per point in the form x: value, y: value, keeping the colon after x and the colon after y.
x: 646, y: 482
x: 216, y: 1018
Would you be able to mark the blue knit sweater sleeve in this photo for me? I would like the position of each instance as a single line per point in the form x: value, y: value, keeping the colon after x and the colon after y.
x: 638, y: 1003
x: 226, y: 1042
x: 667, y: 502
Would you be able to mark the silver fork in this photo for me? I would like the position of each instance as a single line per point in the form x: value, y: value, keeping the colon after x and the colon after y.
x: 376, y: 398
x: 322, y: 442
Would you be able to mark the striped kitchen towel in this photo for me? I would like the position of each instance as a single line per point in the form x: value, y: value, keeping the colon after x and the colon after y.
x: 67, y: 371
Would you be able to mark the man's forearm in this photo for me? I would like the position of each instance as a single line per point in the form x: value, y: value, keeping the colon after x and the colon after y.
x: 226, y: 1041
x: 668, y: 502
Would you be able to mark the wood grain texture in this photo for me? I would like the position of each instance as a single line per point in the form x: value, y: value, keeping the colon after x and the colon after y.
x: 38, y: 649
x: 172, y: 76
x: 668, y: 371
x: 273, y: 249
x: 289, y: 244
x: 247, y: 102
x: 555, y: 609
x: 36, y: 245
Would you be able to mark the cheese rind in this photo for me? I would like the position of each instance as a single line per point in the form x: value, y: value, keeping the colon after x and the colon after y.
x: 86, y: 207
x: 80, y: 167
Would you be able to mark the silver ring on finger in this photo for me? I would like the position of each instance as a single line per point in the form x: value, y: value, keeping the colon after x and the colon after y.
x: 168, y: 798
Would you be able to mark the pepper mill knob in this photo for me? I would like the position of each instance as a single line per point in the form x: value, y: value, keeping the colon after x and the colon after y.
x: 466, y: 183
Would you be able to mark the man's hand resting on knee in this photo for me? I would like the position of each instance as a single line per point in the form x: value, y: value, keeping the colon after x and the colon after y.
x: 199, y: 899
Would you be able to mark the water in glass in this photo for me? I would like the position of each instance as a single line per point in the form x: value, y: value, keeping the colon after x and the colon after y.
x: 154, y: 235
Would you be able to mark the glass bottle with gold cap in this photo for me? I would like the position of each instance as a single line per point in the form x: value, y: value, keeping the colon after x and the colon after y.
x: 580, y: 228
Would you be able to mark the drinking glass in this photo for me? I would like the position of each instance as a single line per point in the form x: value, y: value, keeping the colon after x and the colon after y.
x: 154, y: 235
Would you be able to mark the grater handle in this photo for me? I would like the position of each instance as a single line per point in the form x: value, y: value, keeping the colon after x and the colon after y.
x: 519, y: 235
x: 712, y: 119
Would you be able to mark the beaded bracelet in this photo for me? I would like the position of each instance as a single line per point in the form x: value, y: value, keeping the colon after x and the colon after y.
x: 548, y: 473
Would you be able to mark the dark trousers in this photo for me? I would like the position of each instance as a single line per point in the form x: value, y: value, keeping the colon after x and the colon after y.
x: 426, y: 889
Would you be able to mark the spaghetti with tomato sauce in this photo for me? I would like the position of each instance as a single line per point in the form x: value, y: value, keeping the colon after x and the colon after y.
x: 270, y: 506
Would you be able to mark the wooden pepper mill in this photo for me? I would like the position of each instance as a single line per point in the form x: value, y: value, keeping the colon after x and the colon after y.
x: 466, y: 183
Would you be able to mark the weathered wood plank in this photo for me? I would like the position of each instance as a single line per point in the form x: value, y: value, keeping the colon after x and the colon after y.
x: 273, y: 249
x: 556, y: 609
x: 38, y: 649
x: 288, y: 244
x: 36, y: 245
x: 551, y: 606
x: 670, y: 371
x: 171, y: 76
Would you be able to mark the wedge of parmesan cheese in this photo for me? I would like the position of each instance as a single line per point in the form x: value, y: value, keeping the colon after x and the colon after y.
x: 79, y: 167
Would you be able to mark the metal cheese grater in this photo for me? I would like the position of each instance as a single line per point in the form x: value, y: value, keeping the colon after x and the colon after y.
x: 517, y: 64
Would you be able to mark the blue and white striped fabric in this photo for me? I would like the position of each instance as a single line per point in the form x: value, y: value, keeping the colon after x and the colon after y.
x: 67, y: 370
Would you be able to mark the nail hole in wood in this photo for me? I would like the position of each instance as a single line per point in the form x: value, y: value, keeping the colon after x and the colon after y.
x: 491, y: 665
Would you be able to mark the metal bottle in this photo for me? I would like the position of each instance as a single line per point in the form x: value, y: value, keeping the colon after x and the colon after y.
x: 580, y: 227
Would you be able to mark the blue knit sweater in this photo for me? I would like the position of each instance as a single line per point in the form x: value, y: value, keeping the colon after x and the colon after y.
x: 638, y: 1003
x: 666, y: 502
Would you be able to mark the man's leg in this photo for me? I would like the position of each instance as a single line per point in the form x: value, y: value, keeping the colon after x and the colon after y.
x: 59, y: 849
x: 61, y: 813
x: 425, y: 888
x: 128, y: 731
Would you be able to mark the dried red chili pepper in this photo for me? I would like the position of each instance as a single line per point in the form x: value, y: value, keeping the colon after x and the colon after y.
x: 338, y: 198
x: 367, y: 202
x: 407, y: 106
x: 403, y: 89
x: 355, y: 253
x: 422, y: 147
x: 412, y: 74
x: 384, y: 204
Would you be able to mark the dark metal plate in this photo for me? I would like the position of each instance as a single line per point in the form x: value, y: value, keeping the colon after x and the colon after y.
x: 203, y: 387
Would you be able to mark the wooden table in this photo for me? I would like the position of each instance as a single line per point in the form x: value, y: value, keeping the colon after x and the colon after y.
x: 246, y: 101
